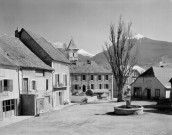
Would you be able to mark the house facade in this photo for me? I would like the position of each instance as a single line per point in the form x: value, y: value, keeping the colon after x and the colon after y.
x: 9, y: 88
x: 89, y: 75
x: 55, y: 59
x: 153, y: 83
x: 136, y: 71
x: 25, y: 80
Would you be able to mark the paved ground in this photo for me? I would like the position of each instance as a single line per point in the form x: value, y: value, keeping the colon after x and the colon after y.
x: 94, y: 119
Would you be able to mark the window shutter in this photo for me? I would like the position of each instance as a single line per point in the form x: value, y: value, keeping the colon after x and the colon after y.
x: 10, y: 86
x: 1, y: 89
x: 66, y: 80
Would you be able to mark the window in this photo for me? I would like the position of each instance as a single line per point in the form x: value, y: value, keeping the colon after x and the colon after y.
x: 100, y: 86
x: 83, y: 77
x: 92, y: 86
x: 75, y: 77
x: 6, y: 85
x: 99, y: 77
x: 46, y: 84
x: 8, y: 105
x: 57, y: 80
x: 76, y: 87
x: 92, y: 77
x: 106, y: 86
x: 65, y: 80
x: 157, y: 92
x: 33, y: 85
x: 106, y: 77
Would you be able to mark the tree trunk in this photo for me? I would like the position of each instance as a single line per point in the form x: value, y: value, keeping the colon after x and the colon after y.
x: 119, y: 95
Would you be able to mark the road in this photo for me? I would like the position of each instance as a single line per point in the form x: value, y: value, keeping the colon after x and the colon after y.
x: 94, y: 119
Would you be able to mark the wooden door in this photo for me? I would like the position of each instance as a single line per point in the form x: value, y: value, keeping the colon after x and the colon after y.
x: 148, y: 93
x: 25, y: 86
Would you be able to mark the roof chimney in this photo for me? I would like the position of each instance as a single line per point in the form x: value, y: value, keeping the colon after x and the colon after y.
x: 17, y: 33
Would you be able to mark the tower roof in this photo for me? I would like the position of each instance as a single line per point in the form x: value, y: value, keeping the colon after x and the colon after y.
x: 72, y: 45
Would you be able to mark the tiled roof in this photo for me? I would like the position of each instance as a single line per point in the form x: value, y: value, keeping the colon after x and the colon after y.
x: 72, y: 45
x: 20, y: 54
x: 5, y: 61
x: 84, y: 67
x: 48, y: 47
x: 163, y: 74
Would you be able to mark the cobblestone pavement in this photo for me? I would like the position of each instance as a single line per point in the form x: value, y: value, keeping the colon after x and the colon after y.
x: 95, y: 119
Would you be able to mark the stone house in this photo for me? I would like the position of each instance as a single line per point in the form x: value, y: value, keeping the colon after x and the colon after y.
x: 22, y: 77
x: 89, y: 75
x: 52, y: 57
x: 153, y: 83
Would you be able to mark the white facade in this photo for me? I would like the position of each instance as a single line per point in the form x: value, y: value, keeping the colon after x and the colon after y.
x: 9, y: 92
x: 151, y: 84
x: 61, y: 83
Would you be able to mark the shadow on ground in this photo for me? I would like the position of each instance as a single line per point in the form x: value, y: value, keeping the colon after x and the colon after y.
x: 154, y: 109
x: 112, y: 114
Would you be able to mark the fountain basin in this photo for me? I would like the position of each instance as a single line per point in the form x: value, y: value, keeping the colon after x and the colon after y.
x: 134, y: 110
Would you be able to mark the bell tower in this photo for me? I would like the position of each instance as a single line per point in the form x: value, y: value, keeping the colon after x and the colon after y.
x: 72, y: 51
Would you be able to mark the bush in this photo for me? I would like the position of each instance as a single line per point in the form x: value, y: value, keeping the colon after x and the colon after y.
x: 89, y: 93
x: 75, y: 93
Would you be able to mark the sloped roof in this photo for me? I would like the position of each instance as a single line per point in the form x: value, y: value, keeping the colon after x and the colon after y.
x: 72, y: 45
x: 163, y: 74
x: 20, y: 54
x: 5, y: 61
x: 84, y: 67
x: 48, y: 47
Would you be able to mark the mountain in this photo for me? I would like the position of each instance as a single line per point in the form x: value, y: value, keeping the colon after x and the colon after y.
x: 150, y: 53
x: 84, y: 53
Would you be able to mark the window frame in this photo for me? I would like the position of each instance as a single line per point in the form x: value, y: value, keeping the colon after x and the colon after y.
x: 32, y: 84
x: 100, y: 77
x: 8, y: 105
x: 157, y: 92
x: 93, y: 86
x: 57, y: 79
x: 83, y: 77
x: 106, y: 77
x: 47, y: 86
x: 92, y: 78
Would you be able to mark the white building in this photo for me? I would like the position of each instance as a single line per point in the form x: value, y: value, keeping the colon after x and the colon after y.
x: 153, y: 83
x: 55, y: 59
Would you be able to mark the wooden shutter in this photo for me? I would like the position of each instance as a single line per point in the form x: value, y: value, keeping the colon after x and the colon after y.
x: 1, y: 88
x: 57, y: 79
x: 10, y: 85
x: 65, y: 80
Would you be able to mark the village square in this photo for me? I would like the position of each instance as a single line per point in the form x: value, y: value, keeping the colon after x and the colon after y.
x: 49, y: 87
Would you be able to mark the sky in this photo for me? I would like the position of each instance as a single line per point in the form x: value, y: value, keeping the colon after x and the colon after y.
x: 86, y: 21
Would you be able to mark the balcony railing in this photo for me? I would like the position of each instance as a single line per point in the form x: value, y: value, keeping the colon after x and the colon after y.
x: 59, y: 86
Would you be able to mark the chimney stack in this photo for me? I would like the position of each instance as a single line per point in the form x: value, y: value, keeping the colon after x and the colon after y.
x: 17, y: 33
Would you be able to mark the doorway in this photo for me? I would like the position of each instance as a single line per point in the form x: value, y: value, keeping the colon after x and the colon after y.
x: 148, y: 93
x: 137, y: 92
x: 83, y: 88
x: 25, y: 86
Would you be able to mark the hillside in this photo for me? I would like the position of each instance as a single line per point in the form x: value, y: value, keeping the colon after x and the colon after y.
x: 151, y: 53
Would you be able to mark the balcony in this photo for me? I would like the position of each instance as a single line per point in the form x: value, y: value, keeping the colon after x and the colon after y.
x: 59, y: 86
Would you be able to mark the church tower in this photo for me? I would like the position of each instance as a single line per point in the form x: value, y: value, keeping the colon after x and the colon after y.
x: 72, y: 51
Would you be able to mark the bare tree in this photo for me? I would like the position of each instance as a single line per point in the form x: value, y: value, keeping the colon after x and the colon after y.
x: 119, y: 54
